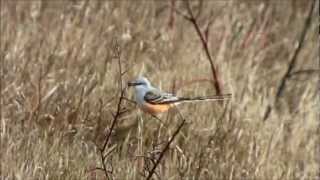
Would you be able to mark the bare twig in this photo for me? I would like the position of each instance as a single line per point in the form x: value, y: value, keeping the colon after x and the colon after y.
x: 171, y: 17
x: 207, y: 29
x: 293, y: 61
x: 305, y: 71
x: 115, y: 116
x: 192, y: 18
x: 129, y: 100
x: 200, y: 7
x: 167, y: 146
x: 158, y: 119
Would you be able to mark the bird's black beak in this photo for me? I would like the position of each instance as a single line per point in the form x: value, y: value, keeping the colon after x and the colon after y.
x: 131, y: 84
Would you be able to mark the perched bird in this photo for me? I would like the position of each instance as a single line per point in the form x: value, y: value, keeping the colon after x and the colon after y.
x: 153, y: 101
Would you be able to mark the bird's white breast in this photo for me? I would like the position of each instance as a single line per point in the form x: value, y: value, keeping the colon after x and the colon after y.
x: 140, y: 93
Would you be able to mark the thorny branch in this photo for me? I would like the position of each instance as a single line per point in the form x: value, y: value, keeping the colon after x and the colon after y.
x: 293, y: 61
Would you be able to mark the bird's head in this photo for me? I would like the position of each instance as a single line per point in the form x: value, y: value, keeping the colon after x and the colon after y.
x: 140, y: 82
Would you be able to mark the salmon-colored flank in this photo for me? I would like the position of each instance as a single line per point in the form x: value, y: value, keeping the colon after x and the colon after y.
x: 155, y: 108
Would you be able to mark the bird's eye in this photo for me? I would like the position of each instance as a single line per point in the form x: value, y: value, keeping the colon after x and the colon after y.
x: 140, y: 83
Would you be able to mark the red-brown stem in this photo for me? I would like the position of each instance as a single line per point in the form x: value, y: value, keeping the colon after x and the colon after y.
x: 204, y: 43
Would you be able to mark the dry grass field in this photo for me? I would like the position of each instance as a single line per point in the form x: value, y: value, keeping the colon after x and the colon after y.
x: 60, y: 89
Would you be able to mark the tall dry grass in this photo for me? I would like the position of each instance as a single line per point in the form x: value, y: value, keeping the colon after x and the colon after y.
x: 59, y: 86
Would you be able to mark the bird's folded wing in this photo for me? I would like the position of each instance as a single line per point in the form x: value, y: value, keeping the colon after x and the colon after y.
x: 157, y: 97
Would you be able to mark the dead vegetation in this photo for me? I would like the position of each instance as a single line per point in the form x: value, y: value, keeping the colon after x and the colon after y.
x: 65, y: 107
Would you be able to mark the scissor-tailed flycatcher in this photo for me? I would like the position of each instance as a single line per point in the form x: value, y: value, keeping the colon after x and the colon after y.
x: 153, y: 101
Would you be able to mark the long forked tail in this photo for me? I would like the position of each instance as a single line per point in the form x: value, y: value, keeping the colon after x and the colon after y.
x: 205, y: 98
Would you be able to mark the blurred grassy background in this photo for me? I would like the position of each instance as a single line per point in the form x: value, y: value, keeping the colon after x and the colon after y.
x: 59, y: 81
